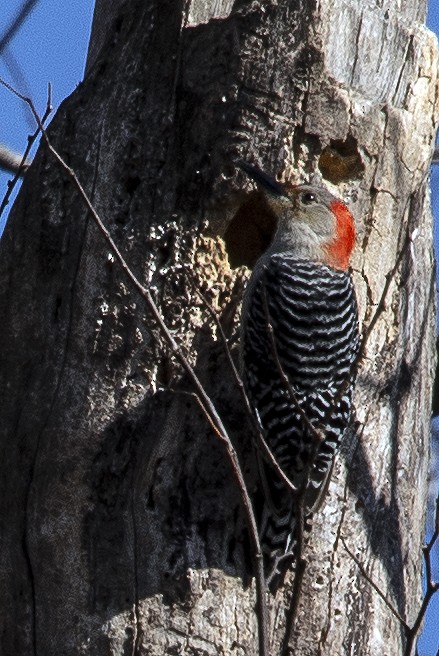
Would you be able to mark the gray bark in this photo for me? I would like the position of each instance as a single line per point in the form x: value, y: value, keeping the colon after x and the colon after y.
x: 122, y: 528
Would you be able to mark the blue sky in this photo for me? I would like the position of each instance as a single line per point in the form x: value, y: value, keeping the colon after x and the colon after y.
x: 52, y: 46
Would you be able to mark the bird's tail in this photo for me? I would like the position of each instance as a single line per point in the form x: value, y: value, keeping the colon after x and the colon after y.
x: 280, y: 536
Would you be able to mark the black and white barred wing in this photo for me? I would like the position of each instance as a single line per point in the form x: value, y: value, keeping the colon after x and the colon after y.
x: 312, y: 311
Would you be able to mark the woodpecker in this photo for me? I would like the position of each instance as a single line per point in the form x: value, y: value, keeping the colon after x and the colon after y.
x: 299, y: 346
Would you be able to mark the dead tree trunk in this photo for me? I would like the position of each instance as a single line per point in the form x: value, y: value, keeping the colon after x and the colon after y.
x: 122, y: 528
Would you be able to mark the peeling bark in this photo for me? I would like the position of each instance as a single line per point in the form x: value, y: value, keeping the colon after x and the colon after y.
x: 122, y: 529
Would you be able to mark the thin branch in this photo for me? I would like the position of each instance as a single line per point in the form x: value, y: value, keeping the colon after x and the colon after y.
x: 19, y: 81
x: 382, y: 302
x: 431, y: 586
x: 298, y: 497
x: 30, y: 140
x: 12, y: 162
x: 16, y: 23
x: 435, y: 535
x: 206, y: 414
x: 238, y: 380
x: 320, y: 438
x: 299, y: 573
x: 372, y: 583
x: 298, y: 494
x: 205, y: 400
x: 315, y: 431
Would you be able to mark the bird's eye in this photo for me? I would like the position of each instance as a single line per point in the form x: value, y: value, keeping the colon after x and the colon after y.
x: 308, y: 197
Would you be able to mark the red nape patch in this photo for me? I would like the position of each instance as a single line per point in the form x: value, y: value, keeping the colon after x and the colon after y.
x: 340, y: 248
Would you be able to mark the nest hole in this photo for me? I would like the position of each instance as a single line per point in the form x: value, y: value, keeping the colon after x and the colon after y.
x: 341, y: 161
x: 250, y: 232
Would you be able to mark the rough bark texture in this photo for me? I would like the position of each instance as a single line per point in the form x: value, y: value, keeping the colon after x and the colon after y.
x: 122, y: 529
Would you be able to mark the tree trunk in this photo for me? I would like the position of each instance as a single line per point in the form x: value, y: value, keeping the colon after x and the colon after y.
x: 122, y: 527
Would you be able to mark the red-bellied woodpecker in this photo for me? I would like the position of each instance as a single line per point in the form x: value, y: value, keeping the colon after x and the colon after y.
x: 300, y: 343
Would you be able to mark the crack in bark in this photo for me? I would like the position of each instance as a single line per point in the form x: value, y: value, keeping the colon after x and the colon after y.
x: 404, y: 64
x: 357, y: 43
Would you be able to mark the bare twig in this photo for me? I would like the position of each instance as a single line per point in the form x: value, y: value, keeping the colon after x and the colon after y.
x: 30, y: 140
x: 238, y: 380
x: 19, y: 81
x: 14, y: 67
x: 316, y: 432
x: 431, y: 586
x: 374, y: 585
x: 298, y: 496
x: 205, y: 401
x: 382, y: 302
x: 367, y: 331
x: 11, y: 161
x: 291, y: 393
x: 298, y: 576
x: 16, y: 23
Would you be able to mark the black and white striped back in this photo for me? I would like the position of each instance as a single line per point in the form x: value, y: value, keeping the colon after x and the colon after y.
x: 312, y: 310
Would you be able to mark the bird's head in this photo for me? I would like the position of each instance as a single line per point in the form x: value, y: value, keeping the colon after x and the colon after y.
x: 311, y: 222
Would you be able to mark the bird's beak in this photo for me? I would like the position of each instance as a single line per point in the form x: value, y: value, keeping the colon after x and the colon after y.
x: 263, y: 180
